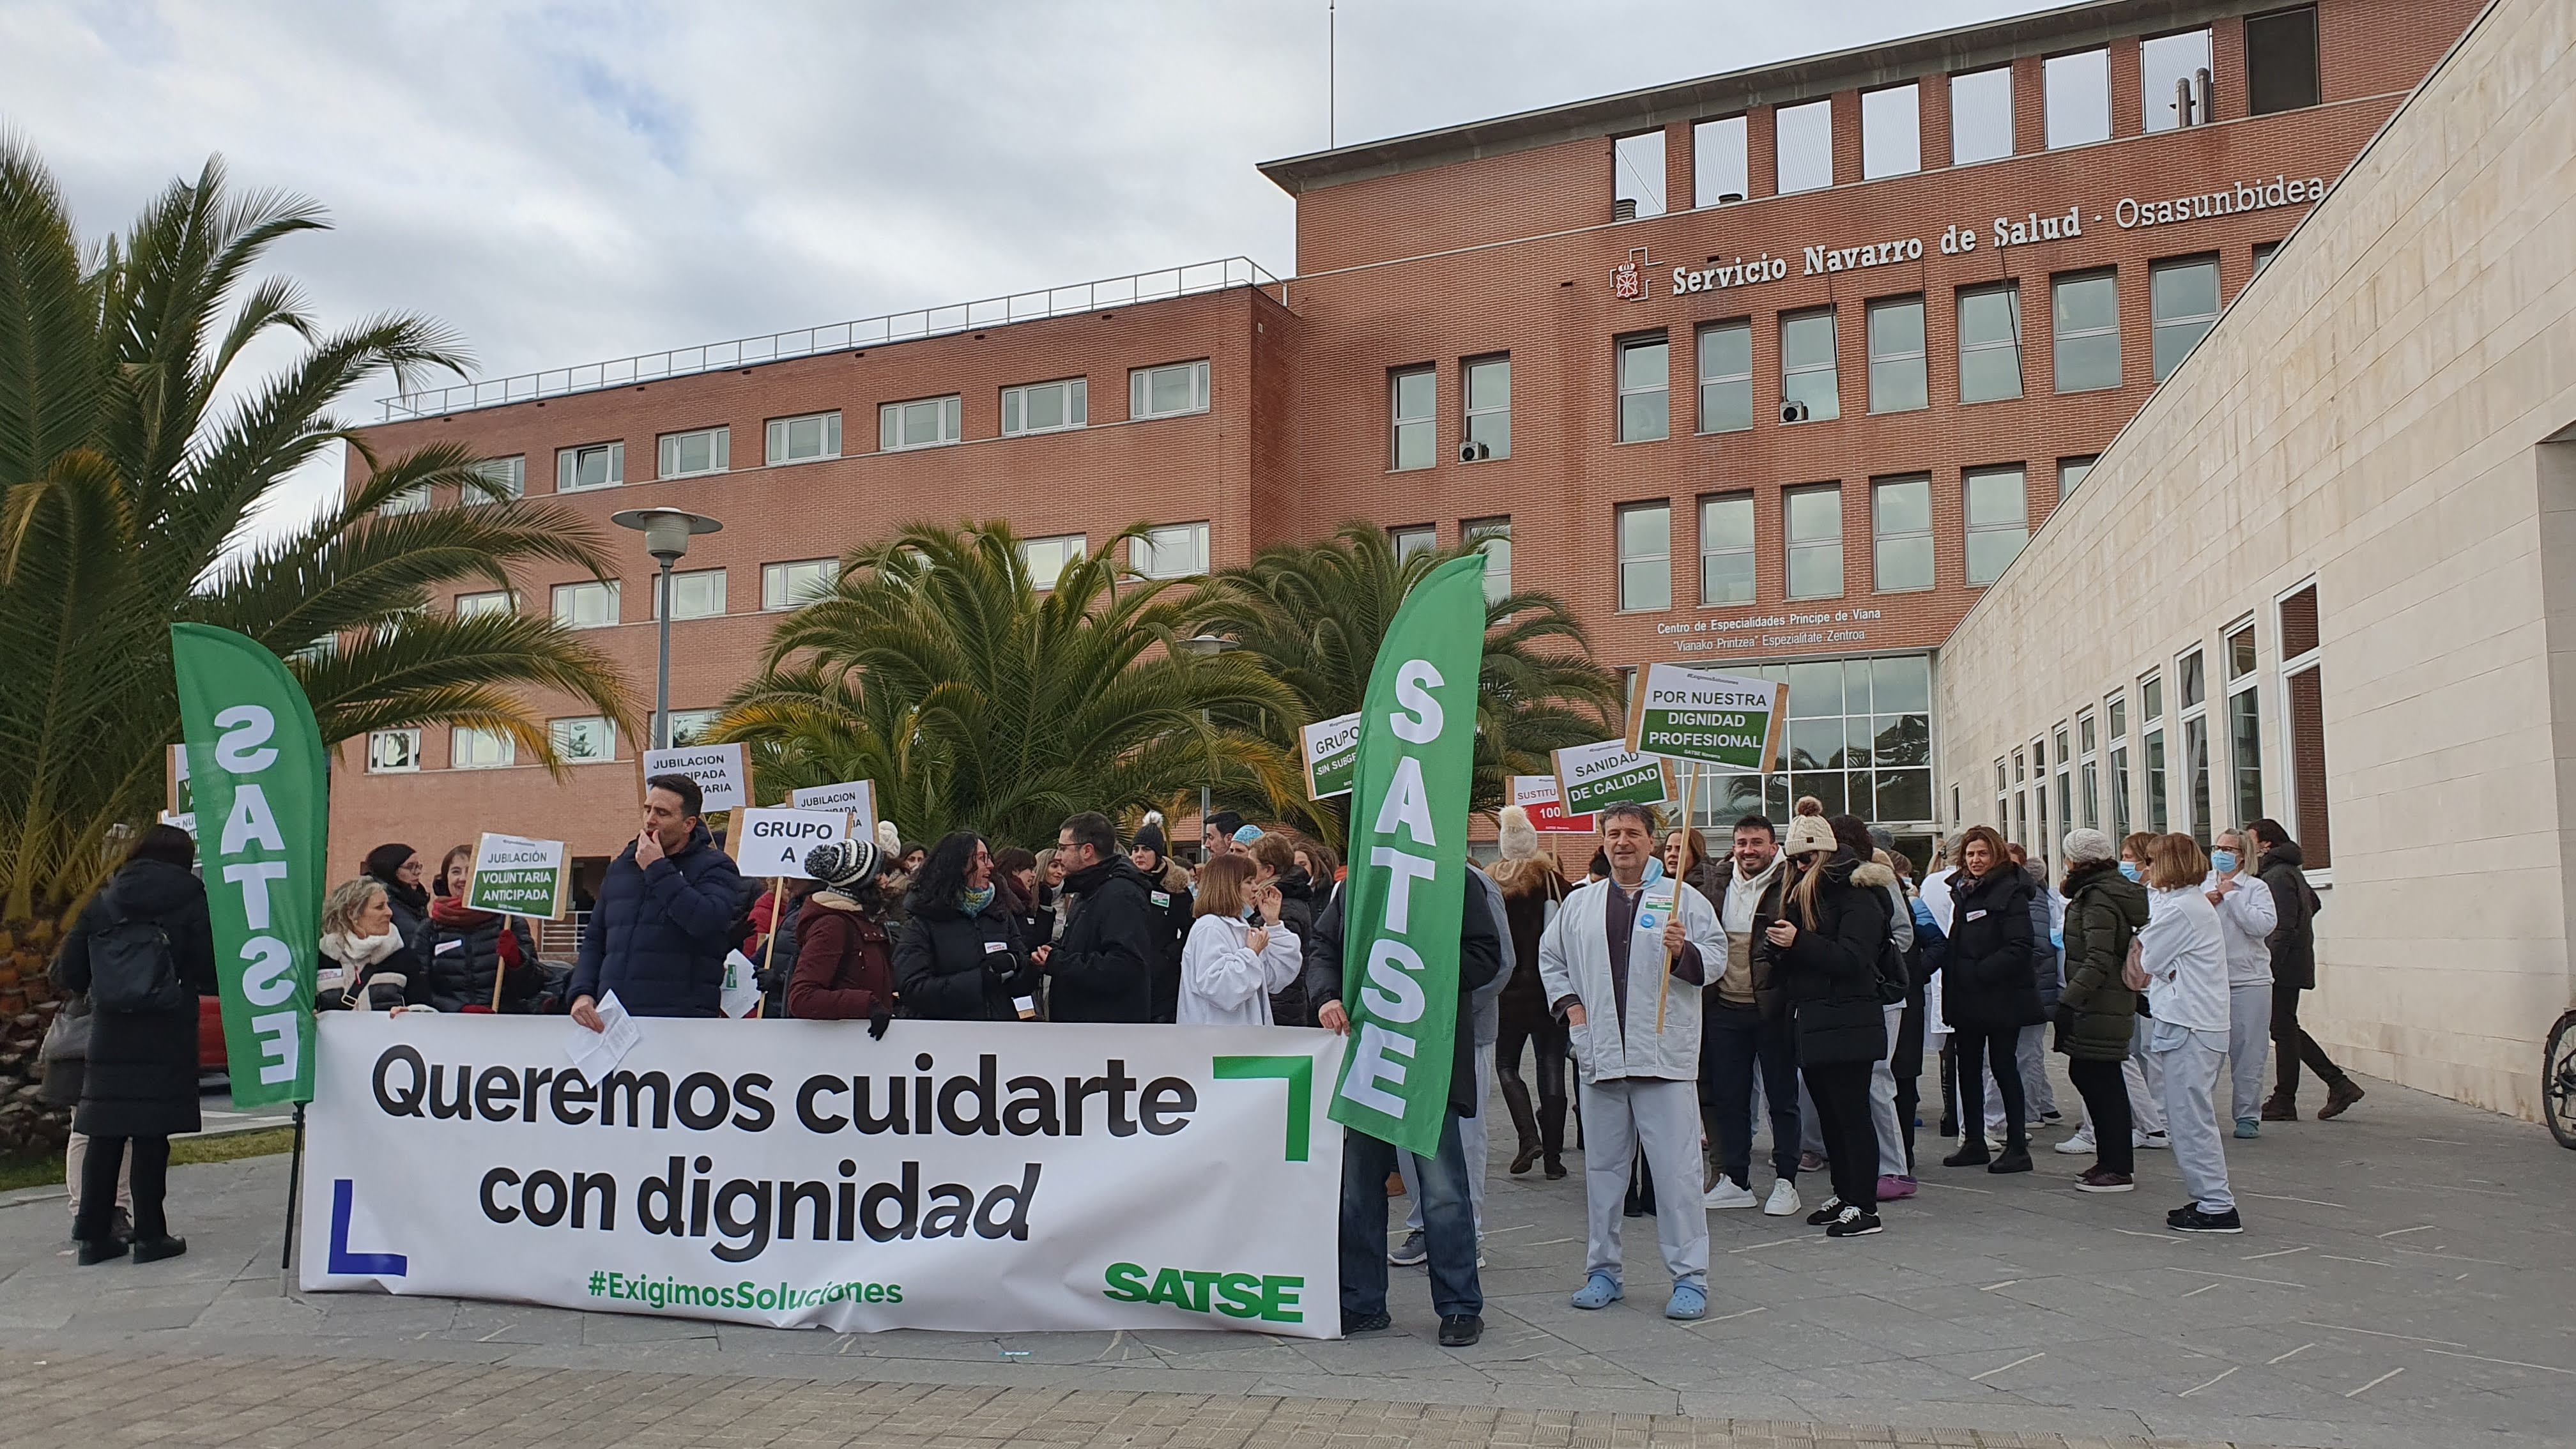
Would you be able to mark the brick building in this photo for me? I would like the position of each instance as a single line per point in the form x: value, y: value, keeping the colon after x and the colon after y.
x: 1776, y: 369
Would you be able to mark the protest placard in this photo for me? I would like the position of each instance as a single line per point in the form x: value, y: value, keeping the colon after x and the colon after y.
x: 773, y: 841
x: 1700, y: 714
x: 1331, y: 747
x: 723, y: 773
x: 518, y: 877
x: 1536, y: 794
x: 859, y: 797
x: 1609, y: 773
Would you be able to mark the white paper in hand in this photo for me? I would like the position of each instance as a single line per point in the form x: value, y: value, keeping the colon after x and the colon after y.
x: 741, y: 985
x: 596, y: 1053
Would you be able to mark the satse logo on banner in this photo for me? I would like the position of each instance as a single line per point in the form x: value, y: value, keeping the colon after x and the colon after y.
x: 774, y: 841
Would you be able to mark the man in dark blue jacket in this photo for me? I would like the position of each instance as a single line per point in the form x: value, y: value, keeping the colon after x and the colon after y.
x: 665, y: 916
x: 1101, y: 970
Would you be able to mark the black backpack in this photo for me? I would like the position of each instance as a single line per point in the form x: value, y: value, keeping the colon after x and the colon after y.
x: 131, y: 969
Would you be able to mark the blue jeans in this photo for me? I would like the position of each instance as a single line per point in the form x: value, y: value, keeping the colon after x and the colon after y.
x: 1448, y: 1225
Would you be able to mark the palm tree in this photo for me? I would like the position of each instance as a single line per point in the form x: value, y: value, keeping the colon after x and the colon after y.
x: 978, y: 698
x: 134, y: 467
x: 1313, y: 615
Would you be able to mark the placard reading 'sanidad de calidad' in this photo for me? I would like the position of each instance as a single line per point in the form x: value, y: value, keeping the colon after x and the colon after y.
x: 517, y: 877
x: 1609, y: 773
x: 1702, y: 715
x: 723, y: 773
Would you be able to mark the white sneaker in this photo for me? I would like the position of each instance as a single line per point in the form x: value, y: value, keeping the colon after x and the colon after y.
x: 2078, y: 1145
x: 2156, y: 1140
x: 1728, y: 1194
x: 1784, y: 1200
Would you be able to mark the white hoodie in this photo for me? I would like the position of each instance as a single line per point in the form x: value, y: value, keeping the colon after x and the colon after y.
x: 1223, y: 983
x: 2185, y: 960
x: 2246, y: 919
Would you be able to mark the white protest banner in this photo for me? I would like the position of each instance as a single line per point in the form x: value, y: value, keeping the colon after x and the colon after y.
x: 516, y: 877
x: 979, y: 1177
x: 1331, y: 748
x: 1728, y: 720
x: 773, y: 841
x: 859, y: 797
x: 1591, y: 776
x: 1536, y: 794
x: 723, y: 773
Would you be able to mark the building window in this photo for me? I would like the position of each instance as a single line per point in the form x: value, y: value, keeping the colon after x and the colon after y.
x: 2281, y: 61
x: 1411, y: 394
x: 598, y: 465
x: 2151, y: 724
x: 1488, y: 386
x: 1814, y: 536
x: 1896, y: 377
x: 414, y: 499
x: 1803, y: 144
x: 2173, y: 82
x: 2078, y: 91
x: 2071, y: 472
x: 930, y: 422
x: 798, y: 440
x: 1645, y: 556
x: 1645, y: 389
x: 1891, y: 131
x: 1492, y: 537
x: 475, y: 606
x: 2020, y: 805
x: 1808, y: 381
x: 1859, y: 740
x: 698, y: 594
x: 2003, y: 794
x: 2191, y: 675
x: 2303, y: 702
x: 2085, y: 314
x: 1046, y: 407
x: 590, y: 605
x: 1990, y: 343
x: 1726, y: 377
x: 1173, y: 551
x: 1719, y: 169
x: 2089, y: 770
x: 1726, y: 549
x: 2184, y: 300
x: 1900, y: 523
x: 2244, y: 724
x: 2119, y: 768
x: 393, y: 752
x: 691, y: 454
x: 1411, y: 541
x: 2263, y: 255
x: 1998, y: 514
x: 507, y: 476
x: 1637, y: 175
x: 1981, y: 115
x: 1167, y: 392
x: 794, y: 585
x: 691, y: 726
x: 474, y: 749
x: 1048, y: 558
x: 585, y: 740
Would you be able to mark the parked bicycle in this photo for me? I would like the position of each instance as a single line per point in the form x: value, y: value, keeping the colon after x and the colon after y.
x: 2558, y: 1081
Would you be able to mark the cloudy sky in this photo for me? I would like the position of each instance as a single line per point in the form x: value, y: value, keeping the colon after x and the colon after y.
x: 570, y: 182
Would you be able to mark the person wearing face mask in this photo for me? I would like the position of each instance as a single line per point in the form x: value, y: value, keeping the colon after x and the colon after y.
x: 1744, y: 1027
x: 2246, y: 919
x: 2142, y: 1074
x: 2098, y: 1012
x: 2185, y: 958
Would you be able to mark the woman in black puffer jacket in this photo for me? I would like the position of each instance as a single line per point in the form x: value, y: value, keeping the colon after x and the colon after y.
x: 1822, y: 954
x: 960, y: 957
x: 465, y: 953
x: 1989, y: 992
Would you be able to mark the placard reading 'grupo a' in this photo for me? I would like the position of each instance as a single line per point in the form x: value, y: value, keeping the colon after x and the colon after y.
x: 773, y: 842
x: 1700, y: 714
x: 1332, y: 747
x: 1609, y: 773
x: 723, y: 773
x: 517, y: 877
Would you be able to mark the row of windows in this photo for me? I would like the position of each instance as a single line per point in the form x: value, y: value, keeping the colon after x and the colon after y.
x: 1994, y: 507
x: 1173, y: 551
x: 2079, y: 771
x: 2084, y: 330
x: 579, y: 740
x: 2176, y: 74
x: 1172, y: 390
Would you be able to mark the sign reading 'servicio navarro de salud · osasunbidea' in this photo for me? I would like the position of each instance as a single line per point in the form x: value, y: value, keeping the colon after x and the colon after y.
x: 1726, y: 720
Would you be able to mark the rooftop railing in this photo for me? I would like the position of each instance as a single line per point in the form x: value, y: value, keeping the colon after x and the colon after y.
x: 1155, y: 286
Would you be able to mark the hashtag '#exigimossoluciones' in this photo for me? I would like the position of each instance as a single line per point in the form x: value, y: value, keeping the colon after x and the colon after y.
x: 598, y: 1284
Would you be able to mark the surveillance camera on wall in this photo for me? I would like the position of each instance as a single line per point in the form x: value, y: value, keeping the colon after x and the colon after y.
x: 1474, y: 452
x: 1795, y: 412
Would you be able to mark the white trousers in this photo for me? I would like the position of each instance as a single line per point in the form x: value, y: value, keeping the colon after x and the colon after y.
x: 2191, y: 1061
x: 2249, y: 1046
x: 1882, y: 1101
x: 1663, y: 1117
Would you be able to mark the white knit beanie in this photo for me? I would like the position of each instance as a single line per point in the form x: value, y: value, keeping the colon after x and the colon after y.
x: 2084, y: 847
x: 1808, y: 835
x: 1519, y: 840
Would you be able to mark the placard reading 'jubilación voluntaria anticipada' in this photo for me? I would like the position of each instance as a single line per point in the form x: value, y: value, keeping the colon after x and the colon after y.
x: 970, y: 1176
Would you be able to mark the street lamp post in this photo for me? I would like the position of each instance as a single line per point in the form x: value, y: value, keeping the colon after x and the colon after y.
x: 666, y: 537
x: 1206, y: 646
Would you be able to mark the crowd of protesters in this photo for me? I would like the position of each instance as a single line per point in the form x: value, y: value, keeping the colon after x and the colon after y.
x: 1807, y: 974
